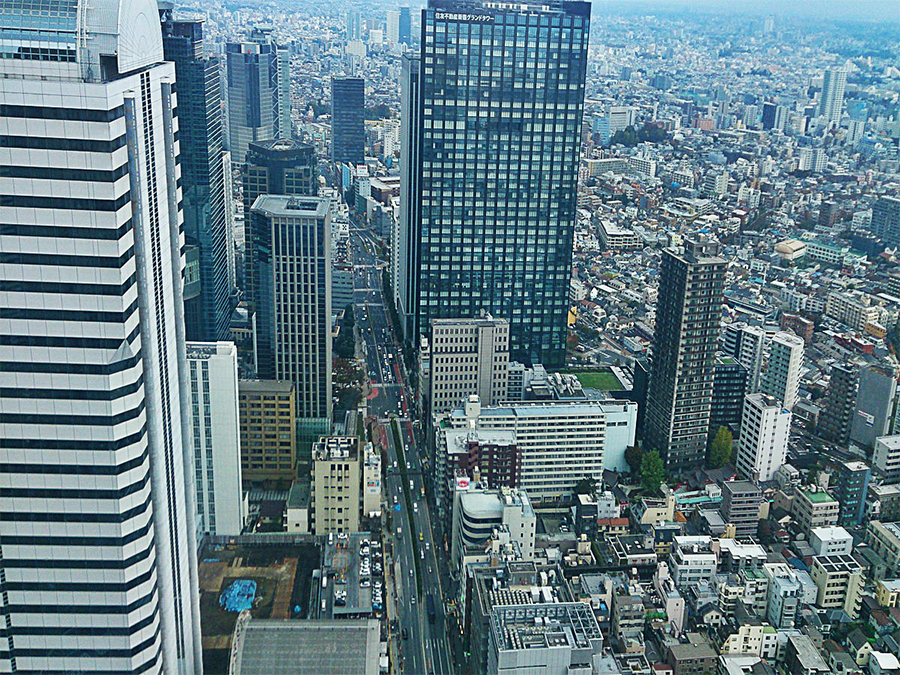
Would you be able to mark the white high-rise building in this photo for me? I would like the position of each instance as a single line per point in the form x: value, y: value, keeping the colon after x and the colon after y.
x: 762, y: 448
x: 831, y: 105
x: 782, y: 378
x: 98, y: 561
x: 558, y: 442
x: 747, y: 345
x: 392, y: 26
x: 213, y: 381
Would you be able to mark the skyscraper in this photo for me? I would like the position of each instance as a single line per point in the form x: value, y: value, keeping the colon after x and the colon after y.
x: 279, y: 167
x: 291, y: 249
x: 348, y: 120
x: 831, y: 104
x: 98, y: 566
x: 782, y: 378
x: 765, y: 428
x: 876, y: 404
x: 492, y: 165
x: 405, y: 28
x: 747, y: 345
x: 392, y: 26
x: 729, y: 389
x: 258, y: 92
x: 886, y: 220
x: 838, y: 404
x: 208, y: 308
x: 684, y: 349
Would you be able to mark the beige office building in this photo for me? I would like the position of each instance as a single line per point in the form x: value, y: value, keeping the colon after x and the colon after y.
x: 468, y: 356
x: 268, y: 420
x: 336, y: 484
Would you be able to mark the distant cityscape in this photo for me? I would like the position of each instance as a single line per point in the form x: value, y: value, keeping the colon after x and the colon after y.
x: 449, y: 337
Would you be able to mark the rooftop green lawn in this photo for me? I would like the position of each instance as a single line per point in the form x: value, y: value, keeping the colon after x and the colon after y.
x: 603, y: 380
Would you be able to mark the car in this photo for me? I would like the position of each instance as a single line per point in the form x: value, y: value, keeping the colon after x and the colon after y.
x: 412, y: 600
x: 404, y: 634
x: 365, y: 583
x: 422, y: 555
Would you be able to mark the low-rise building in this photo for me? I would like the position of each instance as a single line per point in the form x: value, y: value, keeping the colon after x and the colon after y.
x: 884, y: 502
x: 814, y: 507
x: 839, y: 580
x: 802, y: 657
x: 887, y: 592
x: 552, y: 639
x: 886, y: 460
x: 692, y: 560
x: 695, y: 657
x: 615, y: 238
x: 832, y: 540
x: 884, y: 538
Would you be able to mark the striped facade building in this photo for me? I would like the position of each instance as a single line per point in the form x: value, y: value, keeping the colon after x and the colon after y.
x: 98, y: 561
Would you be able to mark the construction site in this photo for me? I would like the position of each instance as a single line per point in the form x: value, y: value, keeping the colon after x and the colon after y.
x: 281, y: 574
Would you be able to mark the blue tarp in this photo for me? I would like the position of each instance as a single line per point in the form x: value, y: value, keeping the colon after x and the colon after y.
x: 238, y: 596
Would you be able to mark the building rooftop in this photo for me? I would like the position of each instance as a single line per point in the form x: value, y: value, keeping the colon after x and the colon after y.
x: 273, y: 647
x: 336, y: 447
x: 292, y: 206
x: 830, y: 532
x: 740, y: 486
x: 817, y: 497
x: 265, y: 386
x: 545, y: 626
x: 837, y: 563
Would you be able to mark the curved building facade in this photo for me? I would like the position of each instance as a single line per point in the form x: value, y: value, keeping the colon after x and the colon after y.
x: 97, y: 546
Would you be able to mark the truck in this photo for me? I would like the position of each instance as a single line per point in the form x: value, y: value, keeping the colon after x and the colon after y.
x: 429, y: 605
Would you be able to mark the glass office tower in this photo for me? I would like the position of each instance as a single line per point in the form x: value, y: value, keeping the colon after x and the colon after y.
x: 210, y: 296
x: 348, y: 120
x: 498, y: 97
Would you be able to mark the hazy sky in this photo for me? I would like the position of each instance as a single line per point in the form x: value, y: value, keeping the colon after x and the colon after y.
x: 864, y: 10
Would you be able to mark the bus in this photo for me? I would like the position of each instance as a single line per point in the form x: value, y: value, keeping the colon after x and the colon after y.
x: 429, y: 605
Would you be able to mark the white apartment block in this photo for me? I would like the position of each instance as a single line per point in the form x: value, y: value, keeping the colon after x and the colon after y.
x: 886, y: 459
x: 336, y: 485
x: 785, y: 594
x: 97, y: 537
x: 213, y: 381
x: 468, y: 356
x: 854, y: 311
x: 615, y: 238
x: 692, y: 560
x: 765, y: 428
x: 560, y: 442
x: 782, y: 379
x: 831, y: 540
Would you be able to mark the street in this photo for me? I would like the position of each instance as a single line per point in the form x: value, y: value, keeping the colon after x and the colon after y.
x: 425, y: 648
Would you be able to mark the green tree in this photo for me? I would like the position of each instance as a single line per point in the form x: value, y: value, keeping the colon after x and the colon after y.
x: 585, y: 486
x: 634, y: 455
x: 720, y: 448
x: 652, y: 472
